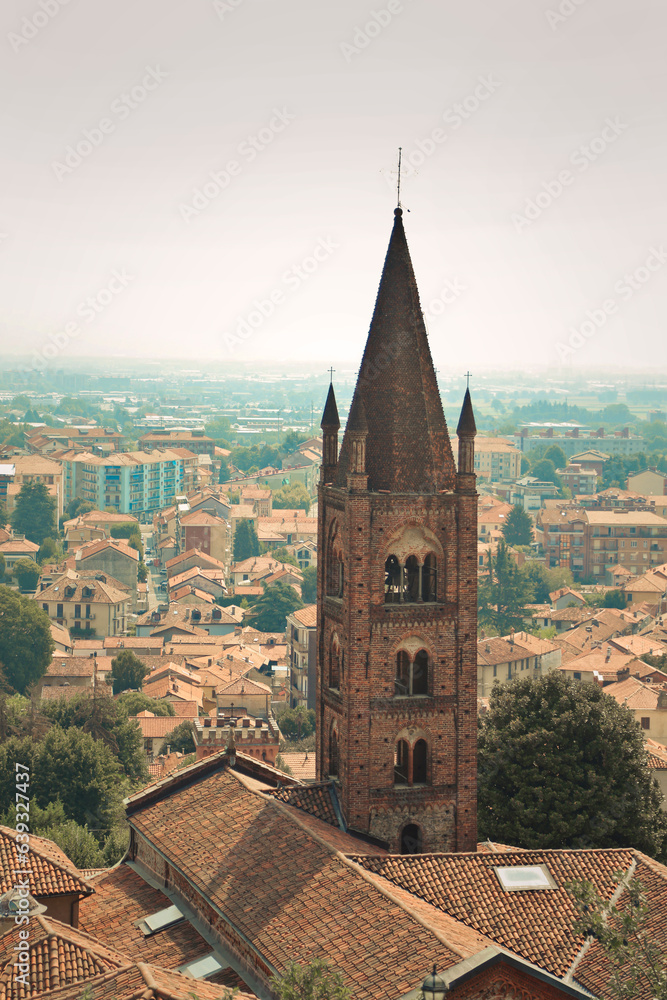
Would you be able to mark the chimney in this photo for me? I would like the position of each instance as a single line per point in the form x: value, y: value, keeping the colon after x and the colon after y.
x: 608, y: 655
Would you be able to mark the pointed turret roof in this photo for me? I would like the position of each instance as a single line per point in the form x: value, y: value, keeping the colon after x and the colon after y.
x: 467, y: 424
x: 356, y: 420
x: 408, y: 447
x: 330, y: 417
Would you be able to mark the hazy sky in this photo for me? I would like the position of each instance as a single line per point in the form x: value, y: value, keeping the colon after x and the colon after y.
x: 215, y: 178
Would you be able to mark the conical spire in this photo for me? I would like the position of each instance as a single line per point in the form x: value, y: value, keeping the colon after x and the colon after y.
x: 356, y: 421
x: 330, y: 418
x: 467, y: 424
x: 408, y: 447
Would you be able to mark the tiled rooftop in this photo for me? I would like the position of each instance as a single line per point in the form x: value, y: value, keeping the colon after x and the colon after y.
x: 51, y: 873
x: 148, y: 983
x: 313, y: 799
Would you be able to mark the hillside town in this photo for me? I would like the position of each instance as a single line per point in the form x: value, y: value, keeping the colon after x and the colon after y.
x: 244, y: 668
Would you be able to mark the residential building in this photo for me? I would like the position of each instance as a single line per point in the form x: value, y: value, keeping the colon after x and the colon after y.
x: 591, y: 461
x: 96, y: 439
x: 190, y: 558
x: 18, y: 547
x: 87, y: 605
x: 520, y: 654
x: 496, y: 459
x: 194, y: 441
x: 578, y: 480
x: 212, y: 620
x: 7, y: 473
x: 650, y: 481
x: 54, y: 882
x: 36, y: 469
x: 156, y: 729
x: 256, y: 737
x: 302, y: 654
x: 133, y: 482
x: 90, y: 674
x: 571, y: 441
x: 111, y: 556
x: 210, y: 534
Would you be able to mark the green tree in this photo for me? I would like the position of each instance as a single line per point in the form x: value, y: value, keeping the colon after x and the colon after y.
x: 125, y: 530
x: 316, y: 981
x: 625, y: 935
x: 561, y: 764
x: 503, y: 594
x: 127, y: 671
x: 134, y: 541
x: 180, y: 739
x: 50, y: 551
x: 27, y: 573
x: 2, y: 566
x: 77, y: 507
x: 223, y: 477
x: 614, y: 599
x: 34, y: 513
x: 142, y: 572
x: 246, y: 542
x: 283, y: 556
x: 133, y: 702
x: 555, y: 454
x: 291, y: 441
x: 82, y: 772
x: 297, y: 723
x: 26, y: 646
x: 309, y: 585
x: 270, y: 612
x: 294, y: 497
x: 518, y: 527
x: 525, y: 465
x: 545, y: 472
x: 4, y: 517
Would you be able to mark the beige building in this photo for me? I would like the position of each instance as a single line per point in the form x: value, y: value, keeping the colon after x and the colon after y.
x: 302, y: 654
x: 650, y: 481
x: 86, y: 605
x: 521, y: 654
x: 495, y: 458
x: 36, y: 469
x: 648, y: 704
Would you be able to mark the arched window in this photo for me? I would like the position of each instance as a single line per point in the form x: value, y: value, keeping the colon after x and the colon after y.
x: 411, y: 673
x: 393, y: 580
x: 333, y: 751
x: 420, y: 763
x: 401, y: 760
x: 430, y: 578
x: 412, y: 581
x: 334, y: 662
x: 420, y: 673
x: 335, y: 574
x: 411, y: 839
x: 402, y: 682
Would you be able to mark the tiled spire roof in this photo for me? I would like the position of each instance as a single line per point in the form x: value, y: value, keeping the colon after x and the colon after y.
x: 408, y: 447
x: 467, y: 419
x: 330, y: 416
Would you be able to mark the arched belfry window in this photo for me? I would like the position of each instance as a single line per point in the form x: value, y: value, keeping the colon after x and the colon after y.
x: 333, y: 751
x: 335, y: 658
x: 411, y: 762
x: 412, y: 673
x: 393, y: 580
x: 430, y: 578
x: 335, y: 567
x: 412, y: 578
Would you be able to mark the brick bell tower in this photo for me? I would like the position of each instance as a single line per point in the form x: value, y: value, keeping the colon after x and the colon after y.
x: 397, y: 590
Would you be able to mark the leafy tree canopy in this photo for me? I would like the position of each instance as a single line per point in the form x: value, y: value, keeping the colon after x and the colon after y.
x: 293, y: 497
x: 127, y: 671
x: 26, y: 646
x: 246, y: 542
x: 283, y: 556
x: 297, y: 723
x: 544, y: 580
x: 316, y: 981
x: 555, y: 454
x: 545, y: 472
x: 27, y: 573
x: 77, y: 507
x: 50, y: 551
x: 133, y: 702
x: 561, y: 764
x: 270, y: 612
x: 34, y: 513
x: 223, y: 477
x: 180, y: 739
x: 309, y: 585
x: 503, y: 594
x: 518, y: 527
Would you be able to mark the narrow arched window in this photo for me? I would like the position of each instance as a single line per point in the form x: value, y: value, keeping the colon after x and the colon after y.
x: 412, y: 579
x: 420, y: 673
x: 401, y: 755
x: 333, y: 752
x: 393, y: 575
x: 402, y: 682
x: 334, y: 663
x: 430, y: 578
x: 420, y: 763
x: 411, y: 839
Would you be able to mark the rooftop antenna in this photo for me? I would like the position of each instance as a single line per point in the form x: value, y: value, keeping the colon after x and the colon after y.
x: 398, y: 192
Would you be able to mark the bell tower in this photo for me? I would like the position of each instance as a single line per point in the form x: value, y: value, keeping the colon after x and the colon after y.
x: 397, y: 590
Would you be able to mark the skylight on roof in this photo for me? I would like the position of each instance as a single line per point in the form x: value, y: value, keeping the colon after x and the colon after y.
x: 158, y: 921
x: 203, y: 967
x: 530, y: 877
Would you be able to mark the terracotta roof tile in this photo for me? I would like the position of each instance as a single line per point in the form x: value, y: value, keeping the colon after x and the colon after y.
x: 147, y: 982
x: 51, y: 873
x: 313, y: 799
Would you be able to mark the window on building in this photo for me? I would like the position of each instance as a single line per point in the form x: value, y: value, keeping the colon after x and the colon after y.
x: 77, y: 610
x: 430, y: 578
x: 411, y: 673
x: 401, y: 757
x: 419, y: 763
x: 334, y: 662
x: 411, y: 839
x: 59, y: 611
x: 393, y: 580
x: 333, y: 751
x: 646, y: 723
x: 45, y: 607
